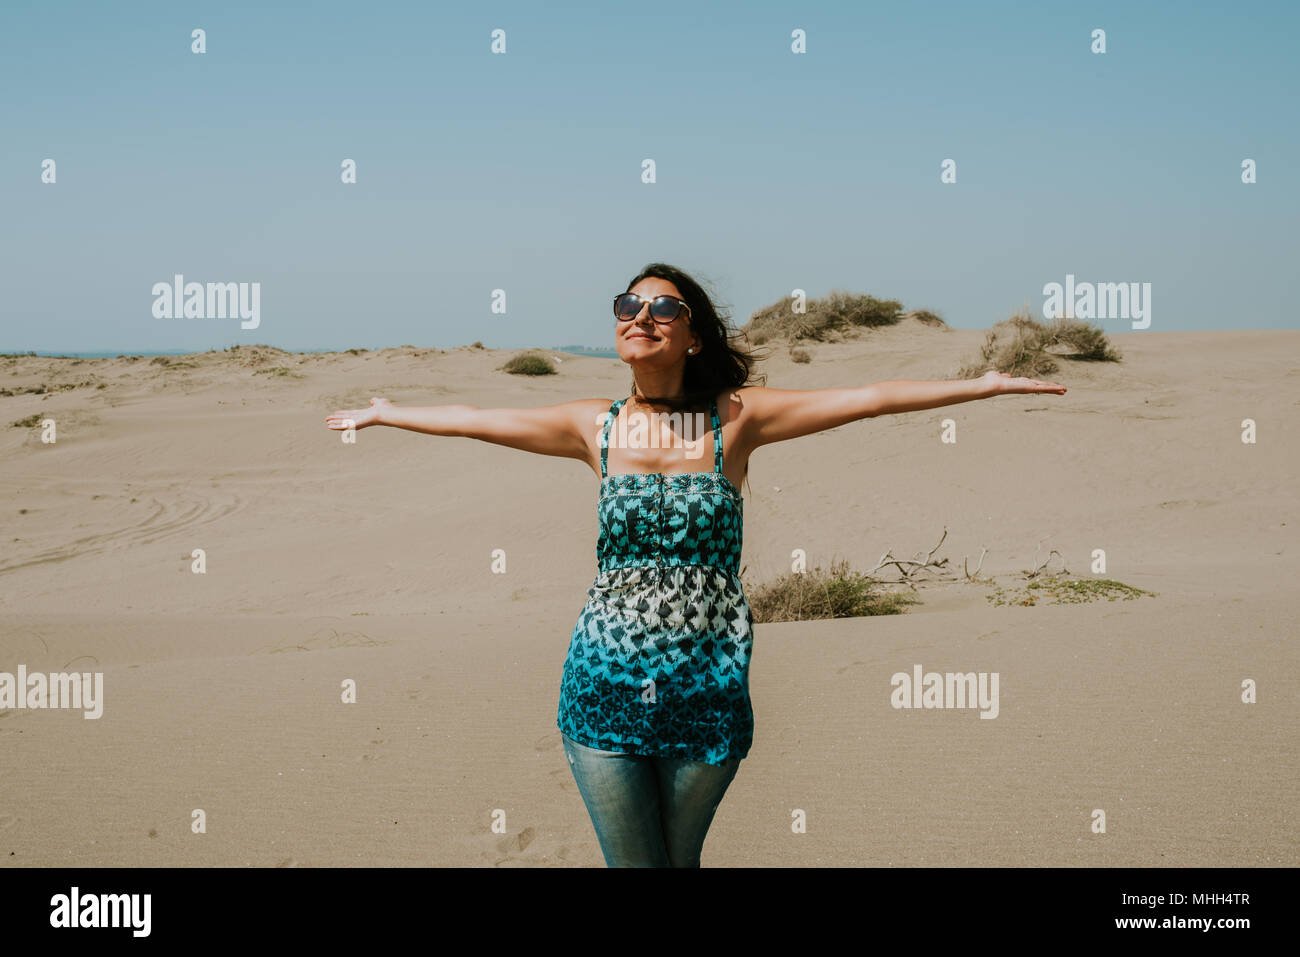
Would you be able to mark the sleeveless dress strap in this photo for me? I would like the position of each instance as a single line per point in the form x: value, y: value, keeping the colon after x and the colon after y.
x: 717, y: 437
x: 604, y: 433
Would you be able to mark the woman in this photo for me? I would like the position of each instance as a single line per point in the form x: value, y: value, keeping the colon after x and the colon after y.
x: 654, y: 709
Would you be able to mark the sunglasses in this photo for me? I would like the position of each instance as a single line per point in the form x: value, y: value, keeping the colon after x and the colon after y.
x: 663, y: 309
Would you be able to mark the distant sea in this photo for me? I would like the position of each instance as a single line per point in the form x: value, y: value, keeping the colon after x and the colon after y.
x: 576, y: 350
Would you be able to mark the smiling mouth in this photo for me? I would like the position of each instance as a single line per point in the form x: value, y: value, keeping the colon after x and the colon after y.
x: 640, y: 336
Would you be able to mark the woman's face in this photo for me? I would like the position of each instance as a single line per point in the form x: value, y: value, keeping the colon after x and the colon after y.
x: 646, y: 342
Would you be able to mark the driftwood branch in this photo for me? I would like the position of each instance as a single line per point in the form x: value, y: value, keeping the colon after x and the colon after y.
x: 918, y: 563
x: 907, y: 567
x: 1039, y: 568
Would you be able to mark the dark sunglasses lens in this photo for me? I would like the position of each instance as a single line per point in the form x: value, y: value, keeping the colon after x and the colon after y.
x: 665, y: 309
x: 627, y: 306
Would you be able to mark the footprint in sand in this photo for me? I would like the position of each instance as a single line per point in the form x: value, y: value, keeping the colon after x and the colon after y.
x: 565, y: 782
x: 376, y: 741
x: 513, y: 844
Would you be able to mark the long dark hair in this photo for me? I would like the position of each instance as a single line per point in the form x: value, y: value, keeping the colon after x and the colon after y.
x: 722, y: 362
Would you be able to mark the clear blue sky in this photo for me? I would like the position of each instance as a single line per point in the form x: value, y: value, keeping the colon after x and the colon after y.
x: 775, y: 171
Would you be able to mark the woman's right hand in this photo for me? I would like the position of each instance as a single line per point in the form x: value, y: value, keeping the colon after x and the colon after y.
x: 357, y: 418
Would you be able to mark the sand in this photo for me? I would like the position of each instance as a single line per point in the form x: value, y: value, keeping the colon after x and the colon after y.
x: 372, y: 562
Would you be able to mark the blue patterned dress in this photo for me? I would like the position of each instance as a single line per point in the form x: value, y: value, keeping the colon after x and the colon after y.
x: 659, y: 659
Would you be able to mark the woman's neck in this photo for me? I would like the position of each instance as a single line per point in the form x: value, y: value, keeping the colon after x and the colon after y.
x: 638, y: 396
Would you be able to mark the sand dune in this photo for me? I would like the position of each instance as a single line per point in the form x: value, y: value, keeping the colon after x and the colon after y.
x: 372, y: 562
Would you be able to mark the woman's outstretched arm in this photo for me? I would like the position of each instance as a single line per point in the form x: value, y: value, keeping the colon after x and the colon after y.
x: 567, y: 429
x: 774, y: 415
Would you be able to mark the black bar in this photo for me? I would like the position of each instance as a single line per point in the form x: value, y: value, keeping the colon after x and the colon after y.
x: 330, y: 906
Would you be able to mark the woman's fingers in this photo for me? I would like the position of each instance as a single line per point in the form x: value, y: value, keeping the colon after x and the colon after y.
x: 1035, y: 385
x: 340, y: 420
x: 1010, y: 383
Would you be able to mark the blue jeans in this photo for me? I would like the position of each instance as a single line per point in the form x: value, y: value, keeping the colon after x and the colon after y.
x: 648, y: 812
